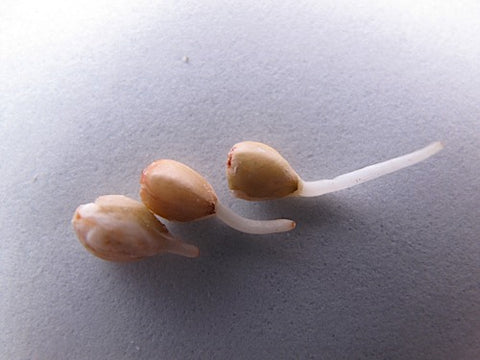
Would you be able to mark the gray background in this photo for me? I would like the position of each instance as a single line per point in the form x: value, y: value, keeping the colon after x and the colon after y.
x: 91, y: 93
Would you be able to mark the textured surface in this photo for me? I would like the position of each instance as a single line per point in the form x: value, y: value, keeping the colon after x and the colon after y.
x: 90, y: 94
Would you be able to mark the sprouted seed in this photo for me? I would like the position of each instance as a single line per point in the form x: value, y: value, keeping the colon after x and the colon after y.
x: 176, y: 192
x: 117, y: 228
x: 256, y: 171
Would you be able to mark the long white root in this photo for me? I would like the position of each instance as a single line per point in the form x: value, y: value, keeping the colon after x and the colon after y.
x: 320, y: 187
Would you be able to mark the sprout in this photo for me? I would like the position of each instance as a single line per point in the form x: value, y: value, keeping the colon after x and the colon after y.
x: 176, y: 192
x: 256, y: 171
x: 117, y: 228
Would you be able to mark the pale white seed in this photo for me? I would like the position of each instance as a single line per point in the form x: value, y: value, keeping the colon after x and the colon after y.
x: 118, y: 228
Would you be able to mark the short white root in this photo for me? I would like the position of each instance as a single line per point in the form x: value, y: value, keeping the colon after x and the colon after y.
x: 250, y: 226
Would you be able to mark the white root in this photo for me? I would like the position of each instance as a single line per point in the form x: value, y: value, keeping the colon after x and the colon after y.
x: 320, y: 187
x: 250, y: 226
x: 178, y: 247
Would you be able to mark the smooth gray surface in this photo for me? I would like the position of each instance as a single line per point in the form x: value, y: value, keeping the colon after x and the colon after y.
x: 90, y: 94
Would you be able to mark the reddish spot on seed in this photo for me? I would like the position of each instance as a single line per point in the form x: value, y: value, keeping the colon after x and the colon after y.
x: 230, y: 156
x: 143, y: 177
